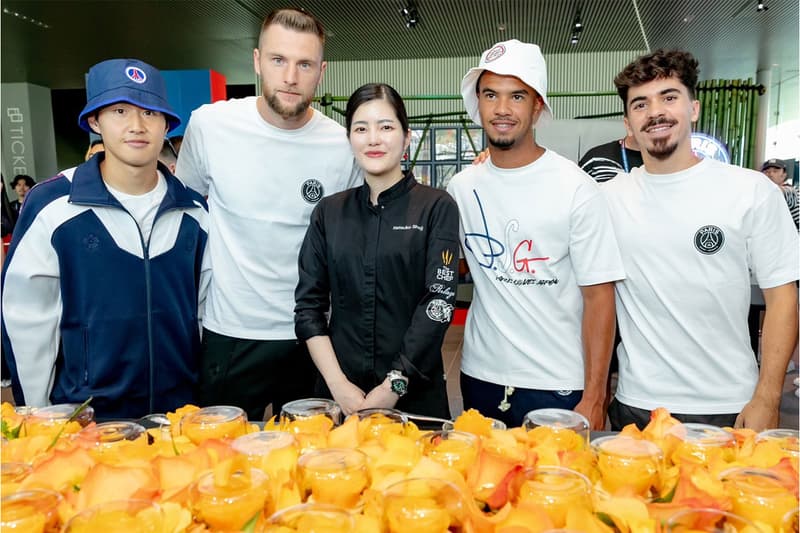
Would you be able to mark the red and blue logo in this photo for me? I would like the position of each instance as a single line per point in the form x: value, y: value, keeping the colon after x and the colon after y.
x: 135, y: 74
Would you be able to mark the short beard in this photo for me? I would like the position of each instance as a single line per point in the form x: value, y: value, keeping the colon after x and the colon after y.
x: 661, y: 150
x: 501, y: 144
x: 287, y: 113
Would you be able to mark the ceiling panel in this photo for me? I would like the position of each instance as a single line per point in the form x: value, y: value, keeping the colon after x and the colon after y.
x: 729, y: 36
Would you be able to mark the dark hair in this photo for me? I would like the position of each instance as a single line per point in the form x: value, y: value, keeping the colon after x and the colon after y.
x: 658, y: 65
x: 294, y: 18
x: 23, y: 177
x: 375, y: 91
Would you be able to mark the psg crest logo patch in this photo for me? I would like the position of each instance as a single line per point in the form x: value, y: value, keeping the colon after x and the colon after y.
x: 312, y: 191
x: 495, y: 53
x: 135, y: 74
x: 709, y: 240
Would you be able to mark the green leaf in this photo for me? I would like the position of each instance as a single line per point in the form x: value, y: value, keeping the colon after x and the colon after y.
x: 9, y: 433
x: 250, y: 526
x: 604, y: 518
x: 78, y: 410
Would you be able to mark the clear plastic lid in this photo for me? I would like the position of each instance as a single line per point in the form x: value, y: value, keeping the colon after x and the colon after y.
x: 63, y: 411
x: 262, y: 442
x: 310, y: 407
x: 111, y: 432
x: 702, y: 434
x: 625, y: 446
x: 556, y: 418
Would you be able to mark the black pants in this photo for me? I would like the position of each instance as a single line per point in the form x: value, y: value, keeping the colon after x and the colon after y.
x: 251, y: 374
x: 621, y: 415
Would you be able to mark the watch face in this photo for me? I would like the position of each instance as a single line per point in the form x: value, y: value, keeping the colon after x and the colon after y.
x: 399, y: 386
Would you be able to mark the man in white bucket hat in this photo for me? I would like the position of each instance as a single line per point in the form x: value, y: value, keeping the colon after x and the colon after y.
x: 538, y: 240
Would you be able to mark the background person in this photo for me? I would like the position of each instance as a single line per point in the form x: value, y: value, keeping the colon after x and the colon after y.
x: 94, y: 147
x: 264, y: 163
x: 168, y: 155
x: 605, y: 161
x: 775, y: 170
x: 379, y: 257
x: 177, y: 142
x: 22, y: 183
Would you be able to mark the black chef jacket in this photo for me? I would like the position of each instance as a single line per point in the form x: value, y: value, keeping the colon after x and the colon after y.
x: 388, y: 274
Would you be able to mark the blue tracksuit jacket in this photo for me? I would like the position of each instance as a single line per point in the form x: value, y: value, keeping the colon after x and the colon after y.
x: 90, y: 309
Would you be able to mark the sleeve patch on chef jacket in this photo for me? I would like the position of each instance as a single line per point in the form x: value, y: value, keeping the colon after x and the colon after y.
x: 439, y: 311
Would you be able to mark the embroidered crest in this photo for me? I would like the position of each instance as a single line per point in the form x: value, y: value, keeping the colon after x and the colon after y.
x: 709, y: 240
x: 447, y: 257
x: 91, y: 242
x: 439, y: 311
x: 312, y: 191
x: 495, y: 53
x: 445, y: 274
x: 135, y: 74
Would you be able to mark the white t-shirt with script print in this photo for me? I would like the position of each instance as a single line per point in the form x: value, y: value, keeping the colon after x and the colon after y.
x: 531, y: 236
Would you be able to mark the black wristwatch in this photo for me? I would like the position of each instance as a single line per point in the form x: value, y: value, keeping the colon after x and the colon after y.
x: 398, y: 382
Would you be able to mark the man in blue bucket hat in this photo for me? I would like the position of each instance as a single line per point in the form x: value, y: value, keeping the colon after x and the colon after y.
x: 107, y: 268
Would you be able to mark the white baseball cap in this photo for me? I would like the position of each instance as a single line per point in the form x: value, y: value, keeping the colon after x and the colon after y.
x: 509, y: 58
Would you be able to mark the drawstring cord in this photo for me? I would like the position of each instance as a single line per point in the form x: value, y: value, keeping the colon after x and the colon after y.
x: 505, y: 405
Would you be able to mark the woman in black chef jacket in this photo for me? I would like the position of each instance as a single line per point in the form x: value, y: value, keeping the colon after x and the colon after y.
x: 382, y: 258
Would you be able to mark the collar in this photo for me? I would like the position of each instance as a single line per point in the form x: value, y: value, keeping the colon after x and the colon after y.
x: 88, y: 187
x: 397, y: 190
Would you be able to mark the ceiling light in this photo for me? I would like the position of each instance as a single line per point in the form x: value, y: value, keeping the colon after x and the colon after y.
x: 410, y: 14
x: 761, y: 7
x: 577, y: 27
x: 577, y: 24
x: 26, y: 18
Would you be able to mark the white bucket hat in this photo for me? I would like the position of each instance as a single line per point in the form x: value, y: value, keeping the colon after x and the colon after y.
x: 509, y: 58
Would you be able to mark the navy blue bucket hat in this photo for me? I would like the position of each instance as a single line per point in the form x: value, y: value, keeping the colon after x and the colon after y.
x: 126, y: 80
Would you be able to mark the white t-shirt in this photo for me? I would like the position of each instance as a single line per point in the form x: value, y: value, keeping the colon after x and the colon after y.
x: 531, y: 236
x: 143, y: 207
x: 687, y: 241
x: 262, y: 183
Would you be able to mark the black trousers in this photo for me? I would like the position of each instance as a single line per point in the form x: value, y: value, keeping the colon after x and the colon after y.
x: 251, y: 374
x: 622, y: 414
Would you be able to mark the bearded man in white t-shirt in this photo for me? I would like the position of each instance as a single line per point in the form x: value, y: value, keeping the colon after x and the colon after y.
x: 691, y: 231
x: 264, y: 163
x: 538, y: 240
